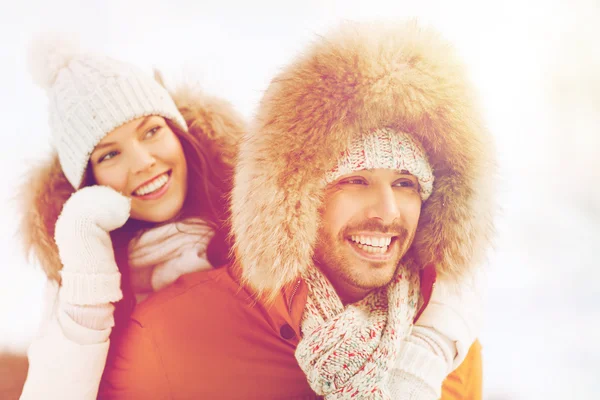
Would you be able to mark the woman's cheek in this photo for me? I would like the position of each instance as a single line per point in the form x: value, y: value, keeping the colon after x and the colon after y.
x: 116, y: 180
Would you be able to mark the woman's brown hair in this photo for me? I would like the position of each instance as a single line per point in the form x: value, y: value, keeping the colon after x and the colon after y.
x: 209, y: 185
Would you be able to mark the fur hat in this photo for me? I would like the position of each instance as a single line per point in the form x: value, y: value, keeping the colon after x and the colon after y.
x: 360, y: 78
x: 89, y: 96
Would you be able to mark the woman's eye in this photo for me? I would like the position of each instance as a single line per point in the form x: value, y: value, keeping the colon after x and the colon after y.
x: 152, y: 132
x: 108, y: 156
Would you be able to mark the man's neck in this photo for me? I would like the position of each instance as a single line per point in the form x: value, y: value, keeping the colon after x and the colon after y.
x: 347, y: 292
x: 351, y: 295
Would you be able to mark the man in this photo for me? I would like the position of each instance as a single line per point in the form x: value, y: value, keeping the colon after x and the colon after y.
x: 367, y: 174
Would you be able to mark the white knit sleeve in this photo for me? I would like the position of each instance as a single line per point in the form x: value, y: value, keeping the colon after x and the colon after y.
x: 455, y: 311
x: 59, y: 366
x: 418, y: 372
x: 405, y: 386
x: 439, y: 341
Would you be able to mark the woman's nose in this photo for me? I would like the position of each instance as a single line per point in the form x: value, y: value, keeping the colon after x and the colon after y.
x: 142, y: 159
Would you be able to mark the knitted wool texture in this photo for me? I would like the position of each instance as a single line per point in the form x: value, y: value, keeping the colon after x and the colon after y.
x: 347, y: 352
x: 90, y: 96
x: 166, y: 252
x: 90, y: 274
x: 387, y: 149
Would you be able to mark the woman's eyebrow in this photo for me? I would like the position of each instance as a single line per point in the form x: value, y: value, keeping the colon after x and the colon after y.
x: 143, y: 122
x: 100, y: 146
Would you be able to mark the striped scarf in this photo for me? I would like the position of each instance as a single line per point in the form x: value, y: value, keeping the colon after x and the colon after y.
x: 346, y: 352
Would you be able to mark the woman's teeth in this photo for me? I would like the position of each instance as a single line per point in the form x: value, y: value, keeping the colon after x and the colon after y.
x: 153, y: 186
x: 370, y: 244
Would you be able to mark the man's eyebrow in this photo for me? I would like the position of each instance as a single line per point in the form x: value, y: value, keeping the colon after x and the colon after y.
x: 401, y: 172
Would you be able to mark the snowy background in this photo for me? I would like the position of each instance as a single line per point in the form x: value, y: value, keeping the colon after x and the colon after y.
x: 537, y: 67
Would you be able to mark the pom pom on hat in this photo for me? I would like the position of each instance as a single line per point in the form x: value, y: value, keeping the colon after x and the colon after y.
x: 48, y: 54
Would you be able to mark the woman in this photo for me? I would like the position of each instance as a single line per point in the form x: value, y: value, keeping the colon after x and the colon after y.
x: 135, y: 195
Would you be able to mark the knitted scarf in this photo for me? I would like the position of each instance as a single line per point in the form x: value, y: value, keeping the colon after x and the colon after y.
x: 164, y: 253
x: 346, y: 352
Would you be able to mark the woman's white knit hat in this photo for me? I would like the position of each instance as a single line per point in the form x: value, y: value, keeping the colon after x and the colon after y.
x: 389, y: 149
x: 90, y: 95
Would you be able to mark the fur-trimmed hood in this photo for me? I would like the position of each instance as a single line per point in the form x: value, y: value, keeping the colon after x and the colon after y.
x: 357, y: 79
x: 46, y: 189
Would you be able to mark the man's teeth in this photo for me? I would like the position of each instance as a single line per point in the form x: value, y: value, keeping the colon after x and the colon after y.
x: 372, y: 241
x: 372, y: 244
x: 153, y: 186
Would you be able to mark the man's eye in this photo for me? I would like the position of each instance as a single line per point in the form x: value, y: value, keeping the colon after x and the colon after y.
x: 108, y: 156
x: 405, y: 183
x: 354, y: 181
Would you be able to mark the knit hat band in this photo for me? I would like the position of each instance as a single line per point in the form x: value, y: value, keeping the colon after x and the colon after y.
x: 389, y: 149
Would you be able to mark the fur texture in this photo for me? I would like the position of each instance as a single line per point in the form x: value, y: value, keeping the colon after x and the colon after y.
x: 46, y: 189
x: 357, y: 79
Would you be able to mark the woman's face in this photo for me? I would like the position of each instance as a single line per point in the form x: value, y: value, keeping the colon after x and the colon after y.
x: 144, y: 160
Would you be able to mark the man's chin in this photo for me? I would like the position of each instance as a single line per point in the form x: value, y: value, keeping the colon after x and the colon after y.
x: 355, y: 288
x: 354, y: 279
x: 372, y: 275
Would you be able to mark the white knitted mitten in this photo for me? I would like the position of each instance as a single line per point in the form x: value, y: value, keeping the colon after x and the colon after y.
x: 439, y: 341
x: 90, y: 274
x: 420, y: 368
x: 455, y: 311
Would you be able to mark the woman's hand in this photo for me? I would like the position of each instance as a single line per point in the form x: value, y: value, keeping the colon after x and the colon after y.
x: 90, y: 274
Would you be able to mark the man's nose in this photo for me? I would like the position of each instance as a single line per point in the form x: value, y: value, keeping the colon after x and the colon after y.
x: 384, y: 204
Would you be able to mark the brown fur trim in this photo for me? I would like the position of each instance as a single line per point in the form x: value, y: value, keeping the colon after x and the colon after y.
x: 213, y: 118
x: 360, y: 78
x: 46, y: 189
x: 43, y: 194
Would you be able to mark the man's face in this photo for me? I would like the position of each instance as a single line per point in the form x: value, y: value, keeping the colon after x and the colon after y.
x: 368, y: 222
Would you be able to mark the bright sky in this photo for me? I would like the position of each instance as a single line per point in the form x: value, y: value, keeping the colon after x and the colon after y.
x: 536, y: 66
